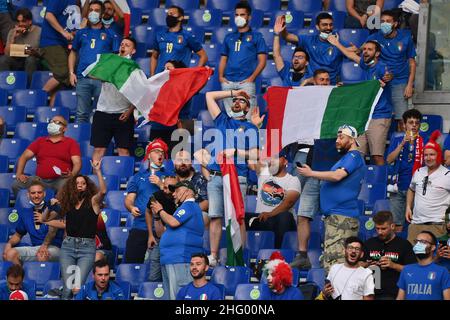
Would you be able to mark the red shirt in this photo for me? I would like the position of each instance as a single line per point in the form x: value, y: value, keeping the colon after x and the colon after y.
x: 49, y: 154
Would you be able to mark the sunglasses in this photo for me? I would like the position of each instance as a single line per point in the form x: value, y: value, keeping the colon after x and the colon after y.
x: 241, y: 100
x: 58, y: 122
x: 425, y: 184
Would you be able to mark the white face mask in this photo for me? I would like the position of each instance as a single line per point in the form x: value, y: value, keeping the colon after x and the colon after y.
x: 237, y: 114
x: 239, y: 22
x: 53, y: 129
x: 324, y: 35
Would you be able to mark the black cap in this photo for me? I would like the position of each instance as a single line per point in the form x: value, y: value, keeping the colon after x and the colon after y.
x: 185, y: 183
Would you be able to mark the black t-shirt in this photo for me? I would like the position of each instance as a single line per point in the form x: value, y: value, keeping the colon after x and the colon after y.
x: 399, y: 251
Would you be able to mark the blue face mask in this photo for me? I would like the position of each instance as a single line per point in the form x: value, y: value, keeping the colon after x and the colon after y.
x: 324, y: 35
x: 386, y: 28
x: 420, y: 248
x: 154, y: 166
x: 94, y: 17
x: 108, y: 22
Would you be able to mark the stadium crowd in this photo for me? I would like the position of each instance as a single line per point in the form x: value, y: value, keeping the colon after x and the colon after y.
x: 89, y: 211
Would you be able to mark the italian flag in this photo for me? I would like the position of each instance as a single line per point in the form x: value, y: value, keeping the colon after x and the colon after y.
x: 159, y: 98
x: 234, y: 212
x: 303, y: 114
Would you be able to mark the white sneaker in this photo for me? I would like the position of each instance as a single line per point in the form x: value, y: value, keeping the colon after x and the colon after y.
x: 213, y: 261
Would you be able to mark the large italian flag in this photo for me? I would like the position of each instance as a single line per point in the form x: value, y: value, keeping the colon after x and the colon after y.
x: 159, y: 98
x: 234, y: 212
x: 303, y: 114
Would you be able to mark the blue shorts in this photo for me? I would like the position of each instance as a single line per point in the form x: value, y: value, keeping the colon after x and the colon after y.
x: 215, y: 195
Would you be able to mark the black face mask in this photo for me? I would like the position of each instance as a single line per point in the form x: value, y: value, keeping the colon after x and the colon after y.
x: 171, y: 21
x: 297, y: 76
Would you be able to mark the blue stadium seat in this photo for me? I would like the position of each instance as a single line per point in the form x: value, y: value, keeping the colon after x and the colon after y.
x: 24, y: 3
x: 136, y: 17
x: 118, y: 165
x: 13, y: 148
x: 295, y: 277
x: 6, y: 181
x: 294, y: 19
x: 126, y: 288
x: 79, y: 131
x: 257, y: 240
x: 208, y: 19
x: 381, y: 205
x: 338, y: 19
x: 198, y: 104
x: 391, y: 4
x: 4, y: 266
x: 38, y: 13
x: 143, y: 133
x: 146, y: 6
x: 268, y: 37
x: 355, y: 36
x: 30, y: 130
x: 212, y: 84
x: 133, y: 273
x: 287, y: 51
x: 4, y: 164
x: 41, y: 272
x: 39, y: 79
x: 227, y: 7
x: 230, y: 277
x: 9, y: 217
x: 3, y: 97
x: 144, y: 64
x: 205, y: 117
x: 157, y: 17
x: 213, y: 52
x: 367, y: 228
x: 371, y: 193
x: 144, y: 34
x: 351, y: 73
x: 376, y: 174
x: 250, y: 203
x: 111, y: 217
x: 13, y: 115
x: 115, y: 200
x: 430, y: 122
x: 265, y: 5
x: 87, y: 150
x: 45, y: 114
x: 185, y: 4
x: 52, y: 285
x: 256, y: 21
x: 4, y: 198
x: 290, y: 241
x: 66, y: 98
x: 197, y: 32
x: 2, y: 248
x: 111, y: 181
x: 317, y: 275
x: 264, y: 254
x: 361, y: 207
x: 118, y: 237
x: 248, y: 291
x: 275, y: 82
x: 218, y: 35
x: 13, y: 80
x: 22, y: 200
x: 141, y: 50
x: 308, y: 6
x: 307, y: 32
x: 152, y: 291
x: 222, y: 243
x: 338, y: 5
x: 270, y: 71
x: 86, y: 167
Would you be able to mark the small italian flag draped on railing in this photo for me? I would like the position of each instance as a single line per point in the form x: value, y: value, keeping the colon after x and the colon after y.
x: 159, y: 98
x: 234, y: 212
x: 303, y: 114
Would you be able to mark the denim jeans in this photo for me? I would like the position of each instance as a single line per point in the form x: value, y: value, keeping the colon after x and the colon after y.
x: 86, y: 90
x: 399, y: 102
x: 175, y: 276
x: 397, y: 201
x: 310, y: 198
x: 248, y: 87
x: 215, y: 195
x: 299, y: 157
x: 76, y: 257
x: 155, y: 266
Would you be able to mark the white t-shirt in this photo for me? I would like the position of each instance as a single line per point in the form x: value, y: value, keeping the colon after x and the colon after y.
x: 351, y: 283
x: 111, y: 100
x: 431, y: 207
x: 273, y: 190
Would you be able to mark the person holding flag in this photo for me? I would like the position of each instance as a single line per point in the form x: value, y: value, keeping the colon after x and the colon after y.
x: 234, y: 138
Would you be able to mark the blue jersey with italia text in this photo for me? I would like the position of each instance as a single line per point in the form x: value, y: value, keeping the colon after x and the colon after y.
x: 376, y: 71
x: 37, y: 233
x: 178, y: 244
x: 287, y: 75
x: 68, y: 15
x: 242, y: 50
x: 342, y: 197
x: 235, y: 134
x: 88, y: 43
x: 395, y: 53
x: 322, y: 55
x: 174, y: 46
x: 207, y: 292
x: 141, y: 185
x: 424, y: 282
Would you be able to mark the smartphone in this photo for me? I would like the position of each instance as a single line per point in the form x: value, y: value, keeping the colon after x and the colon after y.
x: 299, y: 164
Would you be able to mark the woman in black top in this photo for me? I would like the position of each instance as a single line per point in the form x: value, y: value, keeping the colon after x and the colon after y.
x: 80, y: 202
